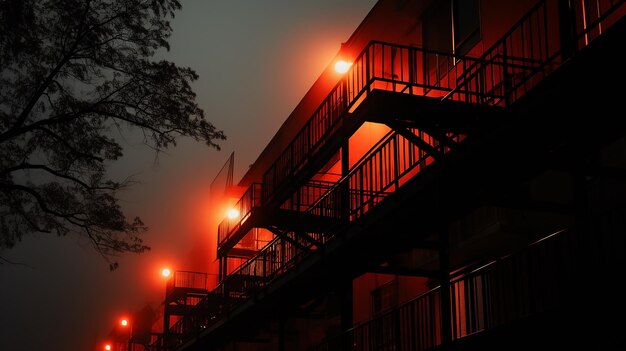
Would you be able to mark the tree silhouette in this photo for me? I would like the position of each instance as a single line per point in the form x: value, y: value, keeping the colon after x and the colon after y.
x: 75, y: 74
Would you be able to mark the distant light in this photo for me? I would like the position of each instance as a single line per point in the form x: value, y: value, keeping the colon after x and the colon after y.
x: 233, y: 213
x: 107, y: 347
x: 166, y: 272
x: 124, y: 322
x: 342, y: 66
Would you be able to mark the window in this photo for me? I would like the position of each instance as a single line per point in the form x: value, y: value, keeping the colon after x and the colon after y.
x: 452, y: 26
x: 385, y: 297
x: 466, y: 28
x: 437, y: 27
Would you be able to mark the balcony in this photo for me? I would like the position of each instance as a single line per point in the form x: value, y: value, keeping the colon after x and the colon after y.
x: 537, y: 291
x: 426, y: 75
x: 380, y: 67
x: 184, y: 290
x: 230, y: 231
x: 439, y: 95
x: 292, y: 214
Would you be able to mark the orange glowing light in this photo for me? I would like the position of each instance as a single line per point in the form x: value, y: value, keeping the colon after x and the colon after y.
x: 166, y: 272
x: 233, y: 213
x: 107, y: 347
x: 342, y: 66
x: 124, y: 322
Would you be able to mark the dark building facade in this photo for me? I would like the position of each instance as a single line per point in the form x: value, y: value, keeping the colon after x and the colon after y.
x: 462, y: 186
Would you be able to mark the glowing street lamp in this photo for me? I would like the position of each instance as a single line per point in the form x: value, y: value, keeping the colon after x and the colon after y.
x: 233, y: 213
x: 342, y: 66
x: 107, y: 347
x: 166, y: 272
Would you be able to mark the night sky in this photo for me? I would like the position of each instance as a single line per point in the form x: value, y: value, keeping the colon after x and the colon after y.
x: 256, y: 60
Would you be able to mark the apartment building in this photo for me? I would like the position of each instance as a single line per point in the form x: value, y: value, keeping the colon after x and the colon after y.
x: 461, y: 186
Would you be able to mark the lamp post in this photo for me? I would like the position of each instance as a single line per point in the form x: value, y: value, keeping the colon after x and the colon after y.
x: 127, y: 324
x: 166, y: 273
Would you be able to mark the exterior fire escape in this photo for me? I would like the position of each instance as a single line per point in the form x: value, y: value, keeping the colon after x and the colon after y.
x: 453, y: 141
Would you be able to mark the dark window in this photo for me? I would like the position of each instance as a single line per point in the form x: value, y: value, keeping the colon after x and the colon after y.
x: 466, y: 25
x: 437, y: 27
x: 452, y: 26
x: 385, y: 297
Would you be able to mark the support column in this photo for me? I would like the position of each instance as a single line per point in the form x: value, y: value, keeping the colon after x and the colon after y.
x: 346, y: 301
x: 345, y: 188
x: 223, y: 275
x: 567, y: 28
x: 166, y: 322
x: 444, y: 257
x: 281, y: 332
x: 581, y: 215
x: 444, y: 277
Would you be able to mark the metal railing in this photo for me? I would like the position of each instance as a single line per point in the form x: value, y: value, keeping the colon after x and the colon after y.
x: 521, y: 52
x: 187, y: 279
x: 250, y: 200
x: 300, y: 201
x: 194, y: 322
x: 401, y: 157
x: 533, y: 48
x: 382, y: 66
x: 307, y: 195
x: 381, y: 172
x: 482, y: 297
x: 502, y: 70
x: 277, y: 257
x: 592, y: 17
x: 416, y: 324
x: 366, y: 188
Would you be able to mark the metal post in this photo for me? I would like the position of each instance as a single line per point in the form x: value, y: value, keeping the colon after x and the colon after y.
x: 444, y: 276
x: 130, y: 335
x: 282, y: 321
x: 344, y: 202
x: 345, y: 297
x: 567, y: 28
x: 444, y: 260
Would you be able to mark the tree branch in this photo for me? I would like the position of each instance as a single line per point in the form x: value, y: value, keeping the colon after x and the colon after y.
x: 42, y: 203
x: 6, y: 260
x: 62, y: 118
x: 43, y: 87
x: 56, y: 173
x: 70, y: 147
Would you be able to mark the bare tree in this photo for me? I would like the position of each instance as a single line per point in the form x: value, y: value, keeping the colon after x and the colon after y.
x: 72, y: 74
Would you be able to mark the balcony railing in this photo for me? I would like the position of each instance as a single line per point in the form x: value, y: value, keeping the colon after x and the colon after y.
x: 508, y: 289
x: 250, y: 200
x: 380, y: 66
x: 277, y: 257
x: 306, y: 195
x: 533, y: 48
x: 393, y: 67
x: 188, y: 280
x: 398, y: 155
x: 393, y: 161
x: 417, y: 323
x: 367, y: 187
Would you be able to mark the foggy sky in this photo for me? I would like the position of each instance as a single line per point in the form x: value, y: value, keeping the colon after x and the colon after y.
x: 256, y: 59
